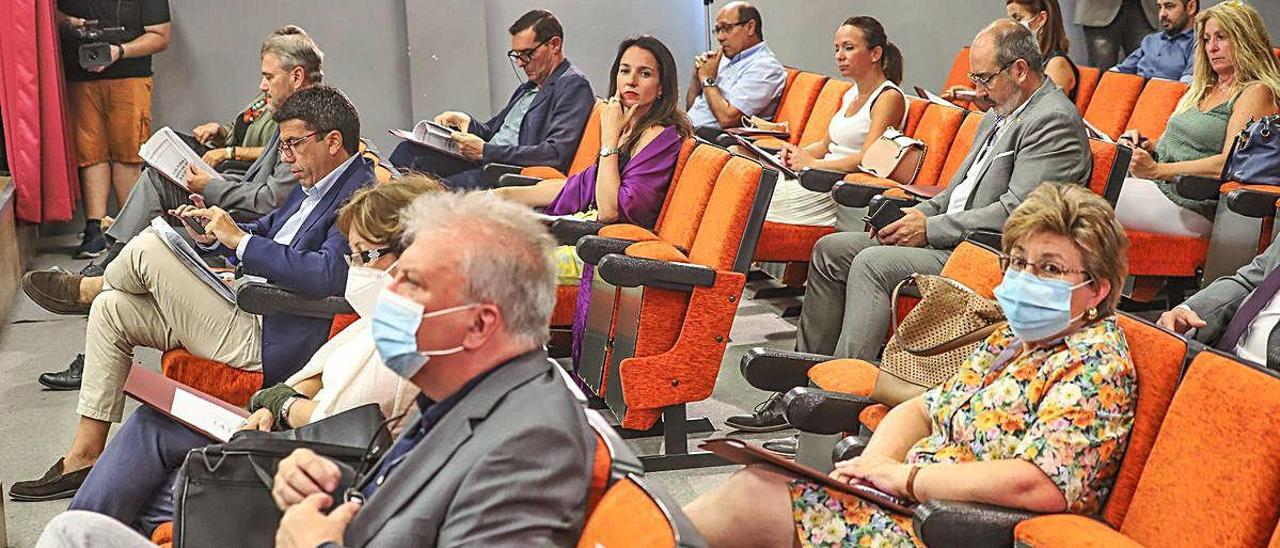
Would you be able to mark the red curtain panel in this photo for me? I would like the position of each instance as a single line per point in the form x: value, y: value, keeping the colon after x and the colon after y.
x: 37, y: 127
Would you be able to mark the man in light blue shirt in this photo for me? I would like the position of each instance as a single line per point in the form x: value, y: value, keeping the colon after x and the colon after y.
x: 1167, y: 54
x: 742, y: 78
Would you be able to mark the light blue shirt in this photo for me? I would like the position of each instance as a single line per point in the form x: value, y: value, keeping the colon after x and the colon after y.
x: 752, y: 82
x: 1162, y: 55
x: 293, y: 224
x: 509, y: 133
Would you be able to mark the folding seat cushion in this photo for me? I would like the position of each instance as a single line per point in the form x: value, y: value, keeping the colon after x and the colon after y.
x: 1118, y: 93
x: 1154, y: 107
x: 1211, y: 478
x: 786, y: 243
x: 1152, y: 254
x: 635, y: 513
x: 234, y: 386
x: 1085, y: 86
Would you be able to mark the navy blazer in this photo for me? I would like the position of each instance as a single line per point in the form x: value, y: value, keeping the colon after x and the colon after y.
x: 553, y: 125
x: 313, y: 265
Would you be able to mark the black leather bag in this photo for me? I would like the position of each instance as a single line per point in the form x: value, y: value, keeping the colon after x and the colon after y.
x: 222, y: 496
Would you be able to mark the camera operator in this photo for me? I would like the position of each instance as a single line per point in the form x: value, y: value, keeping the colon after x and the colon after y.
x: 110, y: 100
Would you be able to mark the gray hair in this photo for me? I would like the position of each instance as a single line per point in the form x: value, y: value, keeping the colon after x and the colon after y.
x: 506, y: 254
x: 295, y: 48
x: 1012, y: 42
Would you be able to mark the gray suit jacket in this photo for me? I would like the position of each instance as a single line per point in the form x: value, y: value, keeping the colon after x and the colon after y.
x: 262, y: 188
x: 1045, y: 142
x: 1216, y: 304
x: 1100, y: 13
x: 509, y: 465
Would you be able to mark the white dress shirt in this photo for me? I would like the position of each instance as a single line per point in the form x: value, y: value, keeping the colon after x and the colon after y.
x: 293, y: 224
x: 960, y: 198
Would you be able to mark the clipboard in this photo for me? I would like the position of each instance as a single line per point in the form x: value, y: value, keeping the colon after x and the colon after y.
x: 210, y: 416
x: 741, y: 452
x: 765, y: 156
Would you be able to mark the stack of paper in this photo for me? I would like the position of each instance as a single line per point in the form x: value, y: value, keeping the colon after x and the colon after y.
x: 431, y: 135
x: 166, y: 153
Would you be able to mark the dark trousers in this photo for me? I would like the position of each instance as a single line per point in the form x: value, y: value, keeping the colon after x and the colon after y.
x: 133, y: 479
x: 457, y: 173
x: 1126, y: 31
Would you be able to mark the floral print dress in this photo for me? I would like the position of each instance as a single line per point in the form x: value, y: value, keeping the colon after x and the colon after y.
x: 1067, y: 408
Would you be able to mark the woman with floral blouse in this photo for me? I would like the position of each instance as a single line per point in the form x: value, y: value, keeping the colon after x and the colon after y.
x: 1037, y: 418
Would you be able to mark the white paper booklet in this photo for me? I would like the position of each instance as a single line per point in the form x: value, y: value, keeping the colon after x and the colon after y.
x: 1096, y: 133
x: 191, y: 259
x: 431, y: 135
x: 217, y: 422
x: 166, y: 153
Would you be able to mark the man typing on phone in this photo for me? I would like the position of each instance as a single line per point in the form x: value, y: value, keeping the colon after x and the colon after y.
x: 1031, y: 135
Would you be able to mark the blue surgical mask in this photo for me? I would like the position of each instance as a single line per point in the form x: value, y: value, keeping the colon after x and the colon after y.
x: 1037, y: 308
x: 395, y: 324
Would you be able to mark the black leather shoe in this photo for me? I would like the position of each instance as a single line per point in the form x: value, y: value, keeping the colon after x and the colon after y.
x: 68, y: 379
x: 53, y: 486
x: 766, y: 418
x: 782, y: 446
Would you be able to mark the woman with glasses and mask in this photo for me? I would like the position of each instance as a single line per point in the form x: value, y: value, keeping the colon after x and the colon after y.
x: 1235, y: 81
x: 1044, y: 19
x: 1038, y: 417
x: 132, y: 479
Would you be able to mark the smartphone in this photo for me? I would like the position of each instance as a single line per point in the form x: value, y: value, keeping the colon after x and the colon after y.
x: 196, y: 225
x: 884, y: 215
x: 966, y: 95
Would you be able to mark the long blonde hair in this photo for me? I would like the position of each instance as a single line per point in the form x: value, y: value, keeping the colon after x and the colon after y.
x: 1250, y: 50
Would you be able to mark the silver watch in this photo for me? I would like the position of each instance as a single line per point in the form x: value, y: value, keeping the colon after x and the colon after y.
x: 606, y: 150
x: 284, y: 410
x: 709, y: 82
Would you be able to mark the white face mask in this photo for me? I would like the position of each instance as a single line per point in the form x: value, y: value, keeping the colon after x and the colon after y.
x: 364, y: 284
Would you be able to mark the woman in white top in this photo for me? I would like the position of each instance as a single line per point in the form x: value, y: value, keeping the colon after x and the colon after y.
x: 131, y: 480
x: 874, y: 103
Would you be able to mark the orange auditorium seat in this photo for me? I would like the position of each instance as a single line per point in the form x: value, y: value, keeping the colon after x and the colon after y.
x: 797, y: 101
x: 1085, y: 86
x: 1117, y: 93
x: 1155, y: 105
x: 613, y: 461
x: 959, y: 73
x: 635, y: 513
x: 938, y: 130
x: 583, y: 157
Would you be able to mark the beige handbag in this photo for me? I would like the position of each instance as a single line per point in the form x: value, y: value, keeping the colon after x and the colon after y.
x: 894, y: 156
x: 934, y: 339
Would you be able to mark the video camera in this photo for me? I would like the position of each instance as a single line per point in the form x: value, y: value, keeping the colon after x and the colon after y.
x: 95, y: 52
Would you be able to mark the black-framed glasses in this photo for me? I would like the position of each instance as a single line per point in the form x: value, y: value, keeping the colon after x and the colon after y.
x: 1041, y: 269
x: 286, y: 146
x: 525, y: 55
x: 725, y: 28
x: 984, y: 80
x: 368, y: 256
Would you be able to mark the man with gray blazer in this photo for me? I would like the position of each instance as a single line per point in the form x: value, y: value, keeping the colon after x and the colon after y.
x: 1110, y: 25
x: 1031, y: 134
x: 502, y: 454
x: 1237, y: 314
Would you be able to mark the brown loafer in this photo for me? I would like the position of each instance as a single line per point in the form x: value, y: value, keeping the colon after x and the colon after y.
x: 55, y: 291
x: 54, y: 485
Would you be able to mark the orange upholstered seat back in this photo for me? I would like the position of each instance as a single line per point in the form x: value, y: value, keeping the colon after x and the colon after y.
x: 1104, y: 160
x: 959, y: 148
x: 723, y: 225
x: 915, y: 112
x: 1154, y: 107
x: 797, y: 102
x: 825, y: 107
x: 977, y: 267
x: 686, y: 150
x: 1117, y: 93
x: 1158, y: 357
x: 686, y: 201
x: 1212, y: 473
x: 613, y: 459
x: 589, y: 146
x: 937, y: 130
x: 1085, y: 86
x: 630, y: 514
x: 959, y: 74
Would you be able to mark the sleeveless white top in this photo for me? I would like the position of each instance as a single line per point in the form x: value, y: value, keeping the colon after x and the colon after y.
x: 849, y: 133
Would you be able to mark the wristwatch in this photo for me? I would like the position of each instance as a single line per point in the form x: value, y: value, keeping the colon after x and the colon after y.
x: 121, y: 46
x: 606, y: 150
x: 284, y: 411
x: 709, y: 82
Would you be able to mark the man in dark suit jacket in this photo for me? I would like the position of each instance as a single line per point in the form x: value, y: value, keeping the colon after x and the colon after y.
x: 502, y: 454
x: 148, y: 297
x: 540, y: 126
x: 1238, y: 313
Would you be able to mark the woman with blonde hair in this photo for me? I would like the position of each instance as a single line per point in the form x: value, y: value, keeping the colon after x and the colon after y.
x: 1037, y: 418
x: 1236, y: 79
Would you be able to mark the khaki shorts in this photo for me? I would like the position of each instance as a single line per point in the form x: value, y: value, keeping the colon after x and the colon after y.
x: 112, y: 118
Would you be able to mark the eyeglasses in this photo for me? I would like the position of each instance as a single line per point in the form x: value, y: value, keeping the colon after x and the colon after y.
x: 1042, y: 269
x: 286, y: 146
x: 525, y: 55
x: 984, y: 80
x: 725, y: 28
x: 368, y: 256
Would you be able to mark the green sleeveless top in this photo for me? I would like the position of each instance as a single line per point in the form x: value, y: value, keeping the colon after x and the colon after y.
x: 1191, y: 135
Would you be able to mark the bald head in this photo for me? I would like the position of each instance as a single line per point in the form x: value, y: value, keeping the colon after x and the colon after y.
x: 738, y: 26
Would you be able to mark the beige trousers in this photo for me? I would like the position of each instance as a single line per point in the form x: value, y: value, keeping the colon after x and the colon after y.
x: 154, y: 301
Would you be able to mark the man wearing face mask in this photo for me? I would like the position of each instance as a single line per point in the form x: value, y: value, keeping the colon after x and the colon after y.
x: 149, y: 298
x: 1030, y: 134
x: 1168, y: 53
x: 540, y: 126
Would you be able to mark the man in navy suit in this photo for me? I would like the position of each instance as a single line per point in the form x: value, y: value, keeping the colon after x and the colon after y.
x: 540, y: 126
x: 147, y: 297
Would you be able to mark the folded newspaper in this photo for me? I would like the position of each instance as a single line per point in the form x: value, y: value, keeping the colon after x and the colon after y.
x: 431, y: 135
x: 191, y: 259
x: 167, y: 153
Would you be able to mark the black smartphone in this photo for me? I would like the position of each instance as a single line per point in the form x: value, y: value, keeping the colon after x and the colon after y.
x: 195, y: 224
x: 884, y: 215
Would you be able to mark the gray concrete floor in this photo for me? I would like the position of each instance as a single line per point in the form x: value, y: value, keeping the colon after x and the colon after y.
x: 36, y: 425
